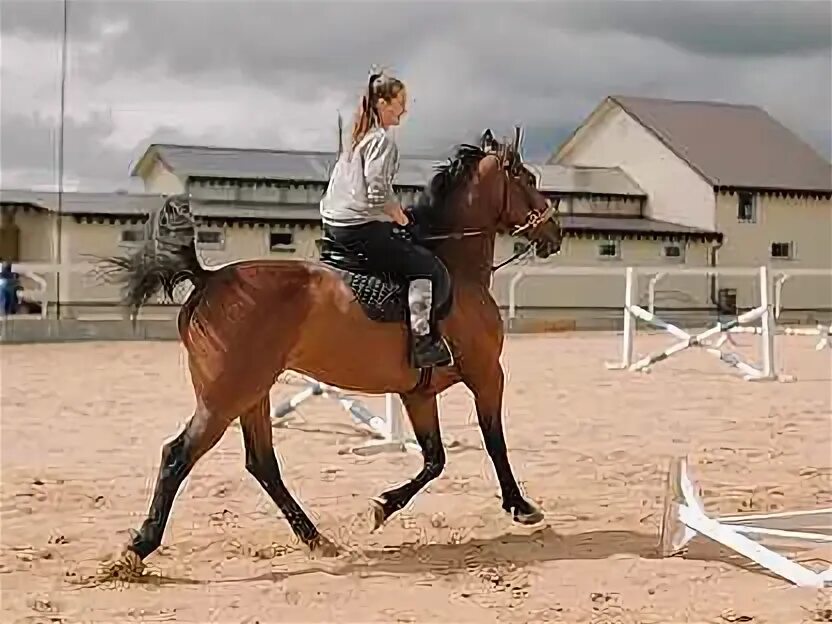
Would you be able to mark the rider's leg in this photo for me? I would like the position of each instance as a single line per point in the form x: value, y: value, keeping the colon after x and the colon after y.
x: 428, y: 278
x: 429, y: 347
x: 428, y: 288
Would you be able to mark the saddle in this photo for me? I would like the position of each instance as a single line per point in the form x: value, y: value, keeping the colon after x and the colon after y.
x: 381, y: 295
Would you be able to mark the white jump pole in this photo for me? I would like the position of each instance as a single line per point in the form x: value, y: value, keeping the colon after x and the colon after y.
x: 764, y: 312
x: 684, y: 518
x: 767, y: 325
x: 823, y: 331
x: 389, y: 431
x: 630, y: 295
x: 393, y: 436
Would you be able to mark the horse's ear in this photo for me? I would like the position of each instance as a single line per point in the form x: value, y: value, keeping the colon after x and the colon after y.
x: 487, y: 142
x: 518, y: 138
x: 486, y: 137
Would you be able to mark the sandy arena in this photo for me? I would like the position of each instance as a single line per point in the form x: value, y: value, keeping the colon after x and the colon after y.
x: 82, y: 427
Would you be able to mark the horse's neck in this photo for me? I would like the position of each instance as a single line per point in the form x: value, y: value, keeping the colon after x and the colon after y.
x: 469, y: 260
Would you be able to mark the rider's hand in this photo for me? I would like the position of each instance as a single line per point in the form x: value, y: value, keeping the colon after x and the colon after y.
x: 396, y: 213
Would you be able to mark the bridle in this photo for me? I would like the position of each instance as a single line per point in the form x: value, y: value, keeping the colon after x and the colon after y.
x: 511, y: 167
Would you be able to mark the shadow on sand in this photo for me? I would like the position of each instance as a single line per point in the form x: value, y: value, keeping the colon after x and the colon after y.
x: 541, y: 546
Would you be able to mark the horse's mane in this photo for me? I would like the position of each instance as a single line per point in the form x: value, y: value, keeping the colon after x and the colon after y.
x: 430, y: 206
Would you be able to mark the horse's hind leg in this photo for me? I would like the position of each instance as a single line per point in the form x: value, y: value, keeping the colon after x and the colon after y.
x: 424, y: 416
x: 179, y: 455
x: 261, y: 462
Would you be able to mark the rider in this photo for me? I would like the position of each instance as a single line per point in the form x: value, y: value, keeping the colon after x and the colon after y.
x: 360, y: 210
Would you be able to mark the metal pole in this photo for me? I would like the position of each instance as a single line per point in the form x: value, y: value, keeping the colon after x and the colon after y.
x: 59, y: 244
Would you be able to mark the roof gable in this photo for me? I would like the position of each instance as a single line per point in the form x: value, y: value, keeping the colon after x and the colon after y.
x: 268, y: 164
x: 731, y: 145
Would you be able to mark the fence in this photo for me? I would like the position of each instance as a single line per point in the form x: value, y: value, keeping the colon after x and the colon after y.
x: 44, y: 294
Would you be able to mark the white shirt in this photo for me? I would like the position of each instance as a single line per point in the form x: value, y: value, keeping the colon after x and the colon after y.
x: 361, y: 183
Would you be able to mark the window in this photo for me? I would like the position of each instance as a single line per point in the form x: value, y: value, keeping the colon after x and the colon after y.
x: 131, y: 236
x: 609, y: 250
x: 746, y: 208
x: 210, y: 239
x: 281, y: 241
x: 782, y: 251
x: 673, y: 252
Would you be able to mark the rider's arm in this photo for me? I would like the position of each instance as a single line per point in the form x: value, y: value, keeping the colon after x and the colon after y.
x: 381, y: 159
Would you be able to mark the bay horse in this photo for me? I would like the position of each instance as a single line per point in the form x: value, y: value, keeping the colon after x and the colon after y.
x: 245, y: 323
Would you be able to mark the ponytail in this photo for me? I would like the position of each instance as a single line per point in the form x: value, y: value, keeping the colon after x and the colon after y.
x: 366, y: 116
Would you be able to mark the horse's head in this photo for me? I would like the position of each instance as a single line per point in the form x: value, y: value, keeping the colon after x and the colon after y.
x: 486, y: 188
x: 519, y: 208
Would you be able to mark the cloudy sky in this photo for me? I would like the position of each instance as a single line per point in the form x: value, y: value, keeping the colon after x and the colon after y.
x: 273, y: 73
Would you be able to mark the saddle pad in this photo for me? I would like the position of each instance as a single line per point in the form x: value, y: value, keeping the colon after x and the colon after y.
x: 381, y: 299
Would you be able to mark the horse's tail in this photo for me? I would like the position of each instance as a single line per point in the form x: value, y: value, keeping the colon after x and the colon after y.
x: 167, y: 258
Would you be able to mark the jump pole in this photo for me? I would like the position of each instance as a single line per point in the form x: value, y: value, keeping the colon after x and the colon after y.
x: 388, y: 431
x: 764, y: 313
x: 684, y: 518
x: 823, y: 332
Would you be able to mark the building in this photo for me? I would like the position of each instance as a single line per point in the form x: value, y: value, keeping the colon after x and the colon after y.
x: 257, y: 203
x: 722, y: 168
x: 640, y: 182
x: 40, y: 230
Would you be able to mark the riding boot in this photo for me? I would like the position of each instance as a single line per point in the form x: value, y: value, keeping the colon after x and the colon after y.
x: 429, y: 348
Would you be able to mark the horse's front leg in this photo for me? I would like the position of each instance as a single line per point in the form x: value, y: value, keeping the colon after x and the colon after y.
x: 488, y: 394
x: 424, y: 416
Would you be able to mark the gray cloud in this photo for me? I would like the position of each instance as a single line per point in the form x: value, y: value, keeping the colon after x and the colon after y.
x: 269, y: 40
x: 270, y: 74
x: 44, y: 18
x: 272, y: 42
x: 29, y: 152
x: 726, y: 28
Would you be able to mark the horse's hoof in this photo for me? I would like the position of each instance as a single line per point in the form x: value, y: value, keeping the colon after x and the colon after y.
x: 324, y: 547
x: 528, y: 516
x: 127, y: 568
x: 379, y: 517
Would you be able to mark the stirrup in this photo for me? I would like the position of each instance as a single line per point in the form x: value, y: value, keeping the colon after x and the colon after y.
x: 431, y: 351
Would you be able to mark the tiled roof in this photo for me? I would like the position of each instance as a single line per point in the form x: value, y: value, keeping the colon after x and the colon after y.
x: 313, y: 167
x: 85, y: 203
x: 732, y: 145
x: 301, y: 166
x: 630, y: 225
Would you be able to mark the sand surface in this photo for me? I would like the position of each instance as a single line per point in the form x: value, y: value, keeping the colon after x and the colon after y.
x: 82, y: 427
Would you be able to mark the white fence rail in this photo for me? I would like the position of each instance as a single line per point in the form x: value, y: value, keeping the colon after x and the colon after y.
x: 37, y: 272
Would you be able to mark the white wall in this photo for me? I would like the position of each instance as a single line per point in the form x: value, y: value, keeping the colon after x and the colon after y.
x: 604, y: 291
x: 676, y: 193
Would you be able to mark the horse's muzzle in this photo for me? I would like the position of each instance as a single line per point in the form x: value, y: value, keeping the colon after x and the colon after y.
x: 548, y: 241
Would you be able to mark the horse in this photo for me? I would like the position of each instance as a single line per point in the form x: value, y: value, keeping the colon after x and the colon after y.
x: 247, y: 322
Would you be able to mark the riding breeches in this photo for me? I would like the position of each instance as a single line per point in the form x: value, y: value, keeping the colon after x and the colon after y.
x: 387, y: 251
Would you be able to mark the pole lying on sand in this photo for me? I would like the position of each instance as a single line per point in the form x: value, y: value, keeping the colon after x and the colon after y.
x: 389, y: 431
x: 684, y: 518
